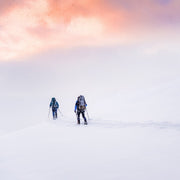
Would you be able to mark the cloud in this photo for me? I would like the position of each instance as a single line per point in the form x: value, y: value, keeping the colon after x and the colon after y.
x: 148, y: 12
x: 28, y: 27
x: 8, y: 5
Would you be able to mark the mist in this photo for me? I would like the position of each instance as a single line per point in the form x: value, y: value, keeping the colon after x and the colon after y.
x: 122, y: 83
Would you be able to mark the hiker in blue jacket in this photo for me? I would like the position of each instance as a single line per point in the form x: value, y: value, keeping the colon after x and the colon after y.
x: 54, y: 105
x: 80, y: 107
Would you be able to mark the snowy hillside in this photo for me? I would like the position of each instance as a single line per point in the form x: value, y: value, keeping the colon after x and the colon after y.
x: 133, y: 99
x: 122, y: 84
x: 100, y: 151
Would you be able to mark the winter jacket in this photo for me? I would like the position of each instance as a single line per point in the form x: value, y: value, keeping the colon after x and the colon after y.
x: 54, y: 105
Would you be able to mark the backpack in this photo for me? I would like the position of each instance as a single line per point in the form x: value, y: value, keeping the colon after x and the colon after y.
x: 54, y: 104
x: 82, y: 103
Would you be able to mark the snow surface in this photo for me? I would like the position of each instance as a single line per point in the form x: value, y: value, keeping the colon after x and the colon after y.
x: 133, y: 99
x: 107, y: 150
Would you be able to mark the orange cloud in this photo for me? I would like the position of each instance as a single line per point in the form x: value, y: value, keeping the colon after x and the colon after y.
x: 46, y: 24
x: 28, y: 27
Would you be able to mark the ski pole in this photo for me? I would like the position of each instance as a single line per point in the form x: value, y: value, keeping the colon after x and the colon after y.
x: 87, y: 114
x: 76, y: 114
x: 49, y: 113
x: 60, y: 112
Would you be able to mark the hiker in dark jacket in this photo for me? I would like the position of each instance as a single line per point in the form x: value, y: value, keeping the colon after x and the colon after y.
x: 54, y: 105
x: 80, y: 107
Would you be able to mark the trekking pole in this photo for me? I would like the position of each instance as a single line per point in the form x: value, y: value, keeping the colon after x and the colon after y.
x: 49, y: 113
x: 76, y: 114
x: 60, y: 112
x: 87, y: 114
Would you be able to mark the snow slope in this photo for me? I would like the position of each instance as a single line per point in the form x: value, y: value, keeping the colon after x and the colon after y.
x: 103, y: 150
x: 119, y: 83
x: 133, y: 98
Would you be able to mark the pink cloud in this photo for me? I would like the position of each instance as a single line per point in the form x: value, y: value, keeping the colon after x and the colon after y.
x: 147, y: 11
x: 30, y: 26
x: 8, y: 5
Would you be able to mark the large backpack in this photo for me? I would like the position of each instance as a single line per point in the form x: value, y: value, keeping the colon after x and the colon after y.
x: 54, y: 104
x: 81, y: 103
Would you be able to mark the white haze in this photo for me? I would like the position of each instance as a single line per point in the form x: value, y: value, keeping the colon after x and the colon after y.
x: 127, y: 84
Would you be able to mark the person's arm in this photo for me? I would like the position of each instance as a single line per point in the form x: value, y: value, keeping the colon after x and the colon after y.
x: 85, y: 103
x: 75, y: 108
x: 57, y: 104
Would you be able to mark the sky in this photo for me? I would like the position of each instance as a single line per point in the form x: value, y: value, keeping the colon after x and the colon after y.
x: 123, y: 55
x: 32, y: 27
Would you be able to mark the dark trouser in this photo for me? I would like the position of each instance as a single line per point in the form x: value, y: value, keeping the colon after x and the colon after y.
x: 83, y: 115
x: 54, y: 112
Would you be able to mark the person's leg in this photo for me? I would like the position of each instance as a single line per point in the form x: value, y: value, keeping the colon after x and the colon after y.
x: 53, y: 113
x: 83, y: 115
x: 56, y: 114
x: 78, y: 117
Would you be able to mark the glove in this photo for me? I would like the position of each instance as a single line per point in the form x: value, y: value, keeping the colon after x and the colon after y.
x: 75, y: 111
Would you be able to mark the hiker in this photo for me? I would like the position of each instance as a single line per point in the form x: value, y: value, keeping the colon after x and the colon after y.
x: 80, y: 108
x: 54, y: 105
